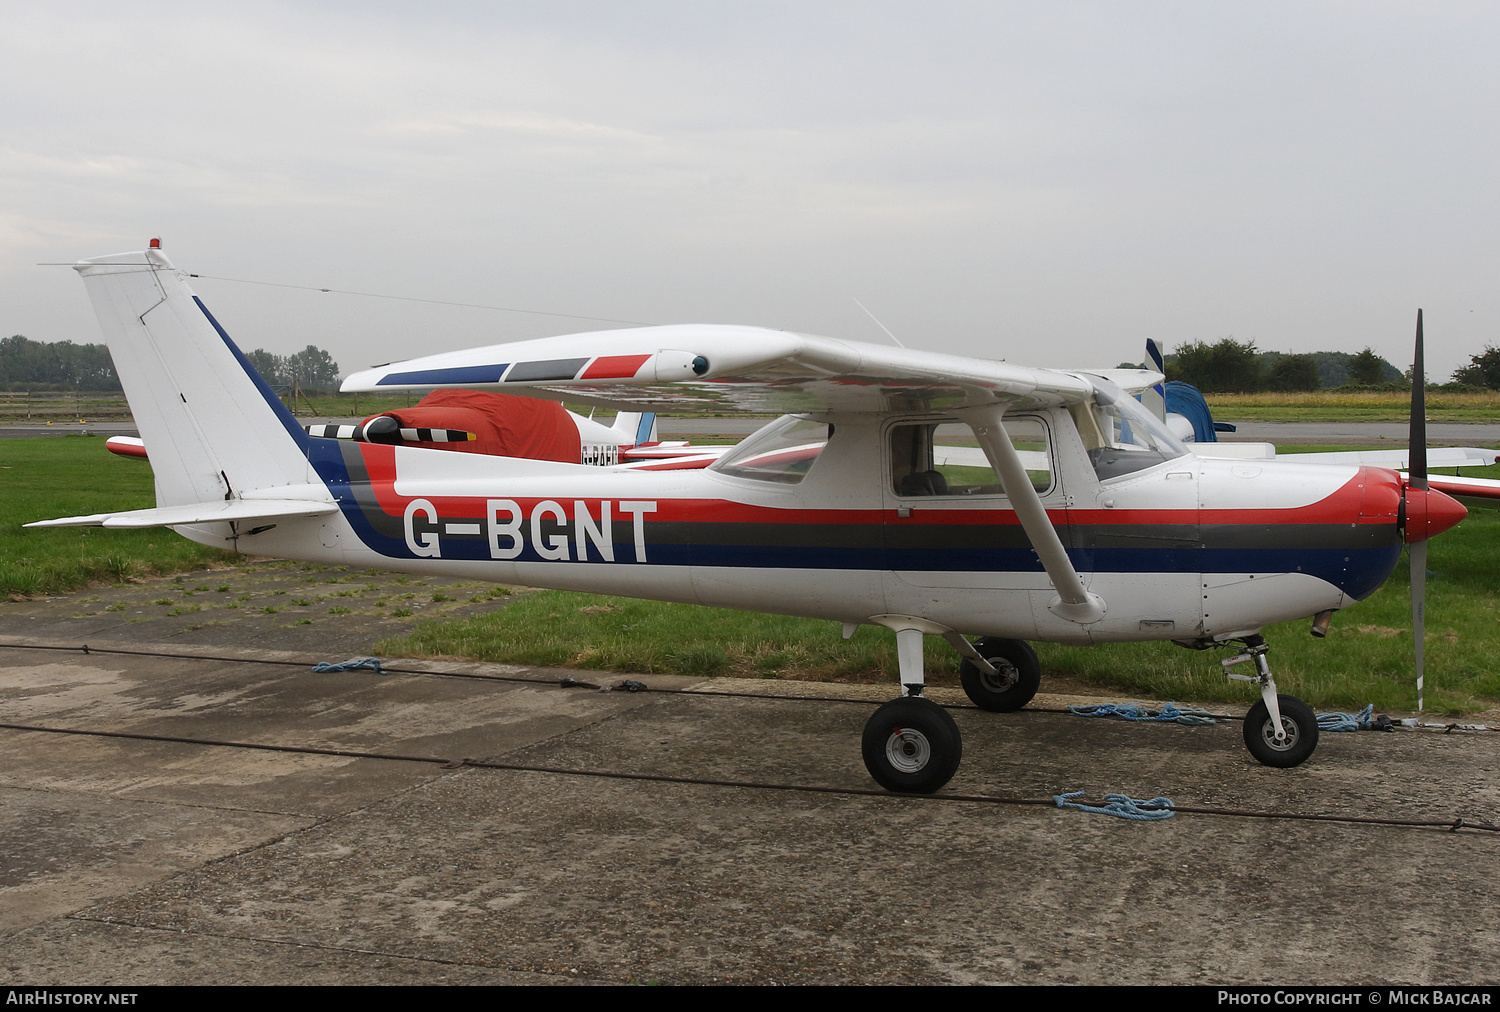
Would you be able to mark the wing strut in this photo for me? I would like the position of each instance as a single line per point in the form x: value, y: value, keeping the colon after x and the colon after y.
x: 1074, y: 602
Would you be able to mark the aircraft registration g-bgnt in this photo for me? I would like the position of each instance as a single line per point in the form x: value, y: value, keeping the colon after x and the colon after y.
x: 1079, y: 518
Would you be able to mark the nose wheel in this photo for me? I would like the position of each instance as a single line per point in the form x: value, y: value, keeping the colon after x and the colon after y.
x: 1018, y: 674
x: 1280, y: 731
x: 1298, y: 738
x: 912, y: 745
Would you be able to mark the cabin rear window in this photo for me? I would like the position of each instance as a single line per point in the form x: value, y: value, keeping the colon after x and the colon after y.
x: 783, y: 451
x: 943, y: 458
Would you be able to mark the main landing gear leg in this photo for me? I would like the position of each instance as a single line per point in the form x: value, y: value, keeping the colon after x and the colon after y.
x: 911, y: 744
x: 1280, y: 731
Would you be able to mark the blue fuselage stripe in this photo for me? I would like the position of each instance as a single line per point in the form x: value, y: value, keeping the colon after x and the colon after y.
x: 1357, y: 566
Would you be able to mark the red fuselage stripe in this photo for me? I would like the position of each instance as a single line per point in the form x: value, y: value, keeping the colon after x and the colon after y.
x: 1342, y: 506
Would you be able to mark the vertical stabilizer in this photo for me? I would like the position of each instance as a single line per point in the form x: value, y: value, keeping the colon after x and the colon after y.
x: 1155, y: 399
x: 213, y: 427
x: 635, y: 427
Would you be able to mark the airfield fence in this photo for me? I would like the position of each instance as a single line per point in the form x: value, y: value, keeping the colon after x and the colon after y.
x: 62, y: 405
x: 108, y: 406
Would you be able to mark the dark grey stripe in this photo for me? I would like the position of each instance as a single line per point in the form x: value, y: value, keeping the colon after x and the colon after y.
x: 552, y: 369
x: 1299, y: 536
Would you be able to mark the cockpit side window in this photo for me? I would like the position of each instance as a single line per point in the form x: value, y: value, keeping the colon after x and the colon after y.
x: 1120, y: 435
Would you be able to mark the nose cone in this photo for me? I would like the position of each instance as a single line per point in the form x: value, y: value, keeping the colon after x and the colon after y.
x: 1430, y: 512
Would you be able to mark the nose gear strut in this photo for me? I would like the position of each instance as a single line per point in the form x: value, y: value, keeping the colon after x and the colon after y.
x: 1280, y: 731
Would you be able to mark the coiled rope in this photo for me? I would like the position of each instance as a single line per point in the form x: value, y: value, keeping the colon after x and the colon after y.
x: 1121, y: 806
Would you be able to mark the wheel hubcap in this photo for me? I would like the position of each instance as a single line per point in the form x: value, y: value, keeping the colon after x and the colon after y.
x: 1005, y: 676
x: 907, y: 750
x: 1268, y: 732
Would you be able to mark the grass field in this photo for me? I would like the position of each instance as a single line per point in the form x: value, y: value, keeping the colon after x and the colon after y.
x: 1365, y: 659
x: 71, y: 476
x: 1337, y: 406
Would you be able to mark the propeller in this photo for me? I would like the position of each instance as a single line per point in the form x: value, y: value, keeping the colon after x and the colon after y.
x: 1426, y: 512
x: 1416, y: 471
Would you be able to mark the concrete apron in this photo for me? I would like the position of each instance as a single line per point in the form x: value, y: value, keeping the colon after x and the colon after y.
x: 135, y: 862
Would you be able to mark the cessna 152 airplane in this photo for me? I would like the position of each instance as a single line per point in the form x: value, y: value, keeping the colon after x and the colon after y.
x: 1078, y: 518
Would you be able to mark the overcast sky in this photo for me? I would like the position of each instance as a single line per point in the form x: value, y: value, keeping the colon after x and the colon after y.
x: 1048, y: 183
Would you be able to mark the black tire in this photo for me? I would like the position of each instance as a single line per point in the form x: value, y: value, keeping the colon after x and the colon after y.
x: 1020, y: 670
x: 1301, y: 726
x: 912, y: 745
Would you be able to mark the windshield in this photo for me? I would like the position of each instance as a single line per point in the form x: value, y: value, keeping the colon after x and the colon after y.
x: 1123, y: 436
x: 783, y: 451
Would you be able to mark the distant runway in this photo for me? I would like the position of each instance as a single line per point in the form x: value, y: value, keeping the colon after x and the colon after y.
x: 1286, y: 433
x: 30, y: 430
x: 1364, y: 433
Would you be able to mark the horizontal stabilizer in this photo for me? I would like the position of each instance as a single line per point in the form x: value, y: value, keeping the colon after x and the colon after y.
x: 1132, y: 381
x: 198, y: 513
x: 126, y: 446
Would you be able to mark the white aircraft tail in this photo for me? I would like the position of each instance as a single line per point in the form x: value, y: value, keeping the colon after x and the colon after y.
x: 635, y: 427
x: 1155, y: 396
x: 213, y: 427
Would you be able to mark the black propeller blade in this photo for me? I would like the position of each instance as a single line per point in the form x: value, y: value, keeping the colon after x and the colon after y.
x: 1417, y: 479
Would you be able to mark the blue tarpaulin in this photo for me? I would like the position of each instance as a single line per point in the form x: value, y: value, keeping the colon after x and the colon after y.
x: 1185, y: 399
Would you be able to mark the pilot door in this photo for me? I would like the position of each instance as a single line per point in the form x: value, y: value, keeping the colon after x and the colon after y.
x: 953, y: 544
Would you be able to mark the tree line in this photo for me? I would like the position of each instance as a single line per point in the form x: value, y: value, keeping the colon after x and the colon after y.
x: 1226, y: 366
x: 31, y: 365
x: 62, y: 365
x: 1230, y: 366
x: 312, y: 368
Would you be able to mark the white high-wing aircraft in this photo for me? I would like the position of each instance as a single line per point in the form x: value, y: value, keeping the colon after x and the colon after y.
x: 1084, y: 521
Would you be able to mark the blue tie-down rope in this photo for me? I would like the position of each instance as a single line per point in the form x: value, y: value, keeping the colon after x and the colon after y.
x: 1169, y: 713
x: 1120, y: 805
x: 373, y: 663
x: 1364, y: 720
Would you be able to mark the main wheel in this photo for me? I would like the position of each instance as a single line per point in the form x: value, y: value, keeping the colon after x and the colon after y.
x: 912, y: 745
x: 1020, y: 675
x: 1300, y: 724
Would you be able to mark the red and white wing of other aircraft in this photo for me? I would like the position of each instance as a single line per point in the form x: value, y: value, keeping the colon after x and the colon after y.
x: 987, y: 503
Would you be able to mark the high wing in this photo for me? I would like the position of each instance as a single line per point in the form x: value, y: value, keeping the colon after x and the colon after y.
x: 743, y: 368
